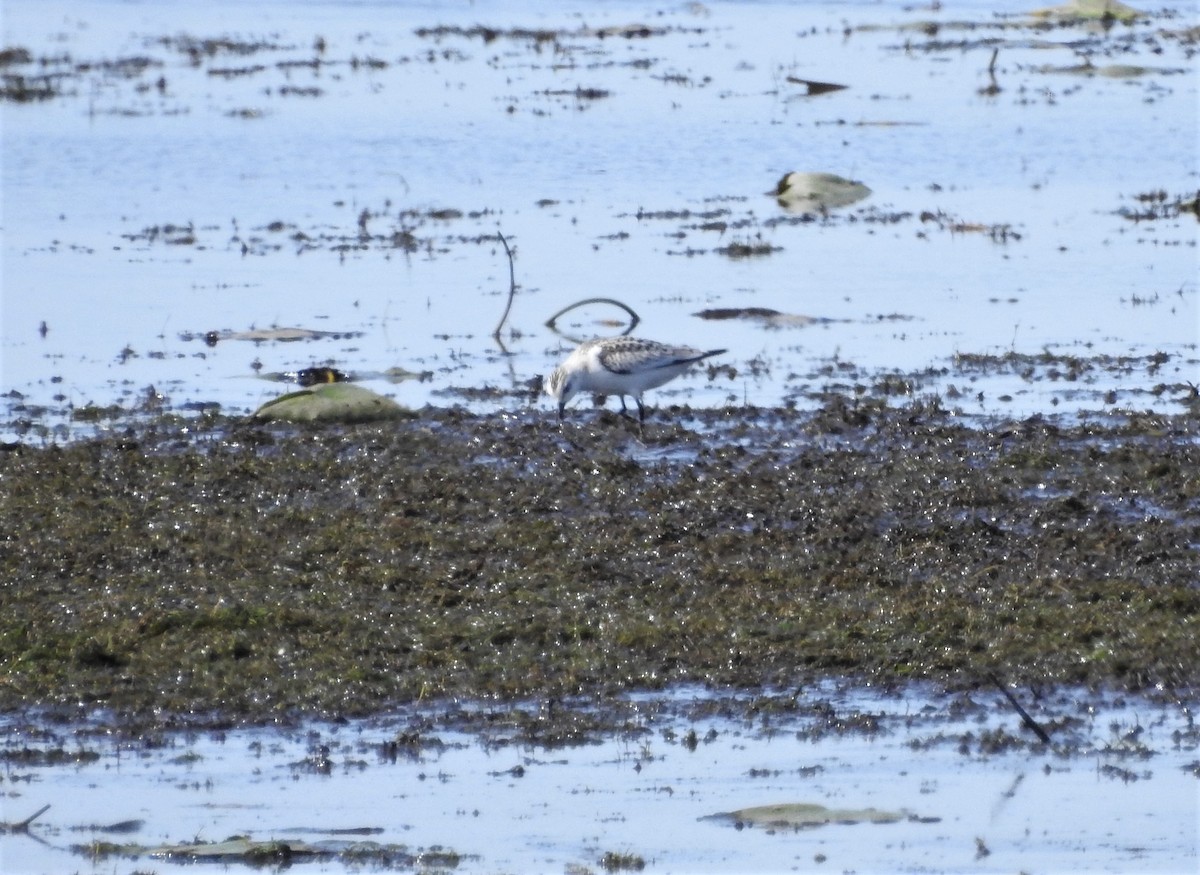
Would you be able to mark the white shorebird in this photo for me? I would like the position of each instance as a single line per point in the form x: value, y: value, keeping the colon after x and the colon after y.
x: 817, y: 192
x: 620, y: 366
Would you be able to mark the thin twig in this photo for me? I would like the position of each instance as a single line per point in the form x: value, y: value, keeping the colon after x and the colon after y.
x: 512, y: 286
x: 1029, y: 721
x: 23, y: 825
x: 634, y: 318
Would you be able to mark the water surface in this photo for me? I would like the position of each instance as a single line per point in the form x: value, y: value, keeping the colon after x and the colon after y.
x: 224, y: 167
x: 1115, y: 792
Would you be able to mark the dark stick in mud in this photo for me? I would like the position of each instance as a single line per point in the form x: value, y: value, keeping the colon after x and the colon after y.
x: 1037, y: 730
x: 512, y: 287
x: 23, y: 825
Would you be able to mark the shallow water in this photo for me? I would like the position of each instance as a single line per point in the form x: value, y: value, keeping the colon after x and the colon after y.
x: 1115, y: 792
x: 222, y: 189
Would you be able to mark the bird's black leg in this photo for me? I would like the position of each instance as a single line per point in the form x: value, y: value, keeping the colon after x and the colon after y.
x: 641, y: 409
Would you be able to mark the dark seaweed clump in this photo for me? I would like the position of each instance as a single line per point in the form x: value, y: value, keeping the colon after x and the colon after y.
x: 243, y: 572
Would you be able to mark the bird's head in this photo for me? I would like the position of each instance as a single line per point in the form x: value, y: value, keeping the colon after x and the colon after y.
x: 559, y: 387
x: 785, y: 182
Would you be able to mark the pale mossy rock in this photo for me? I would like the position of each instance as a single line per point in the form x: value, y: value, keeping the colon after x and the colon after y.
x: 1111, y: 71
x: 805, y: 815
x: 1090, y: 10
x: 800, y: 192
x: 331, y: 403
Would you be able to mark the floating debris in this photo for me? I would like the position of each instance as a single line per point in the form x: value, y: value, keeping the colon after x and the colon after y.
x: 579, y: 93
x: 764, y: 315
x: 800, y: 192
x: 1110, y: 71
x: 235, y: 850
x: 802, y: 815
x: 275, y: 852
x: 288, y: 335
x: 15, y: 55
x: 545, y: 35
x: 397, y: 375
x: 53, y: 757
x: 262, y: 335
x: 27, y: 89
x: 813, y: 88
x: 999, y: 233
x: 1160, y: 205
x: 748, y: 250
x: 123, y: 827
x: 612, y: 861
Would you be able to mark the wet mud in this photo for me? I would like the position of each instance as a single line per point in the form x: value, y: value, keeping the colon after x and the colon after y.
x: 210, y: 570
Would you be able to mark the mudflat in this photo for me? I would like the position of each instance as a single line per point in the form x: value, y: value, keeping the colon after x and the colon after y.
x: 225, y: 570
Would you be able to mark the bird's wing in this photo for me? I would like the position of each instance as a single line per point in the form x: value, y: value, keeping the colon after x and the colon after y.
x: 637, y: 357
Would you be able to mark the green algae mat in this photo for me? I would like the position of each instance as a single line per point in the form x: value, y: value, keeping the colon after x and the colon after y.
x: 246, y: 570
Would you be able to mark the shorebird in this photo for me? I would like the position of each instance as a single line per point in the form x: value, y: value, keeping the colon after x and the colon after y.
x: 620, y: 366
x: 816, y: 192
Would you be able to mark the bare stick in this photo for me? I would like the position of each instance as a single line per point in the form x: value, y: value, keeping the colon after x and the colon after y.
x: 634, y: 317
x: 1029, y: 721
x: 23, y: 825
x: 512, y: 286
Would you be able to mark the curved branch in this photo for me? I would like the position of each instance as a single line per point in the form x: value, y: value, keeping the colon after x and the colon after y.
x: 512, y: 287
x: 634, y: 318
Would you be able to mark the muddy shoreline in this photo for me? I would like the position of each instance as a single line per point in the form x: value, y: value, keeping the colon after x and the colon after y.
x: 209, y: 571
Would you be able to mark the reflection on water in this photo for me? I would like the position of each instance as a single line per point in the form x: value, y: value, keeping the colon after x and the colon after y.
x: 973, y: 788
x: 223, y: 168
